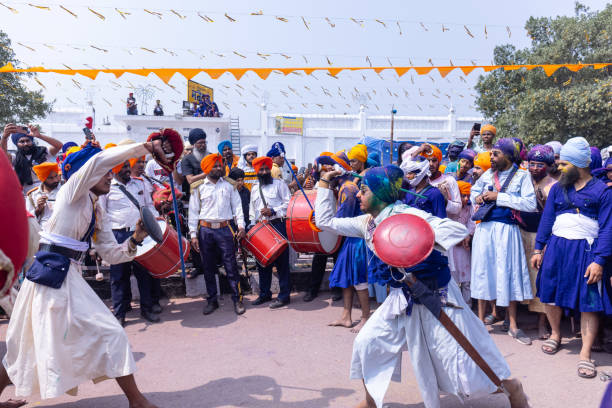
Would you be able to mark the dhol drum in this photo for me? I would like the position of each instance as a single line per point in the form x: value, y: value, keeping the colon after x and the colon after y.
x: 302, y: 232
x: 162, y: 259
x: 264, y: 242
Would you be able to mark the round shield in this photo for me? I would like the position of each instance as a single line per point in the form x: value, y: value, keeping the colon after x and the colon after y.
x: 151, y: 225
x: 403, y: 240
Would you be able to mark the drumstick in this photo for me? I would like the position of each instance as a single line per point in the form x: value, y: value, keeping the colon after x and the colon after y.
x: 298, y: 183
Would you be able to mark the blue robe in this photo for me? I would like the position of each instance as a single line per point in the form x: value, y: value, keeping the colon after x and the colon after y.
x: 433, y: 204
x: 561, y: 278
x: 351, y: 267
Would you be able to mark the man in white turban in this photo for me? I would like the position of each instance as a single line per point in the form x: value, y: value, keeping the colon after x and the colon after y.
x: 247, y: 154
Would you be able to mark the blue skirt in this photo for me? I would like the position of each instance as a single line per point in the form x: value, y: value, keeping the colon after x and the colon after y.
x: 351, y: 267
x: 561, y: 278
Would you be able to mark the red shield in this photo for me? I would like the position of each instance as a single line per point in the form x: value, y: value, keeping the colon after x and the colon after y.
x: 403, y: 240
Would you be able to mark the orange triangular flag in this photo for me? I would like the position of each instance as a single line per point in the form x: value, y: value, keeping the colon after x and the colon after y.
x: 444, y: 71
x: 423, y: 70
x: 550, y: 69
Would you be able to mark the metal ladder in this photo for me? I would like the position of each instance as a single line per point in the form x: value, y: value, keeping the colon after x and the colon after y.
x: 235, y: 134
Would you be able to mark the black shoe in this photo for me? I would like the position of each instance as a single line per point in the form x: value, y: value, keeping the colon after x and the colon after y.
x: 157, y: 309
x: 239, y: 308
x: 261, y: 300
x: 149, y: 316
x: 278, y: 303
x: 211, y: 307
x: 121, y: 320
x: 336, y: 297
x: 128, y: 308
x: 309, y: 297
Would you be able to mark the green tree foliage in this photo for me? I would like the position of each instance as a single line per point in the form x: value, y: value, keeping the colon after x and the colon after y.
x: 17, y: 103
x: 539, y: 108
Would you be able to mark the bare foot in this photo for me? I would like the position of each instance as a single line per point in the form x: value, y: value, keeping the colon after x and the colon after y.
x: 348, y: 323
x: 543, y: 333
x: 358, y: 326
x: 144, y: 403
x: 11, y: 403
x: 517, y: 397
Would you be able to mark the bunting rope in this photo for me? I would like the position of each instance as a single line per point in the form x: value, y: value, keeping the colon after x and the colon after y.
x: 165, y: 74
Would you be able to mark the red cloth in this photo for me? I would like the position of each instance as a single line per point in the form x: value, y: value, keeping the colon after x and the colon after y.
x: 176, y: 141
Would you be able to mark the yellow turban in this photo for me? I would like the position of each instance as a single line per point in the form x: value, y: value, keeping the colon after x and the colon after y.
x: 73, y: 149
x: 489, y: 128
x: 483, y: 160
x: 134, y: 160
x: 358, y: 152
x: 44, y: 170
x: 109, y: 145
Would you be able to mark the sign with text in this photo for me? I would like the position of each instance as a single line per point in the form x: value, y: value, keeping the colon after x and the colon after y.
x: 197, y: 91
x: 289, y: 125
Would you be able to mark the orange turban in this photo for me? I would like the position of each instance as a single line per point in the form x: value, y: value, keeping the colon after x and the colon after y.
x: 133, y: 160
x: 464, y: 188
x: 44, y: 170
x: 118, y: 167
x: 262, y: 161
x: 483, y: 160
x: 358, y: 152
x: 435, y: 152
x: 109, y: 145
x: 489, y: 128
x: 294, y: 168
x: 209, y: 161
x: 164, y: 195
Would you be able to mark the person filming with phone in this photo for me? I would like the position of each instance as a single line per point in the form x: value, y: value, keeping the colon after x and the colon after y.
x: 28, y: 153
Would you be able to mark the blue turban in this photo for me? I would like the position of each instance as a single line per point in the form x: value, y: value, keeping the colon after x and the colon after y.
x: 67, y: 146
x: 222, y: 145
x: 385, y: 182
x: 542, y: 153
x: 16, y: 136
x: 76, y: 160
x: 277, y: 149
x: 373, y: 160
x: 596, y: 161
x: 195, y: 135
x: 576, y: 151
x: 467, y: 154
x: 510, y: 148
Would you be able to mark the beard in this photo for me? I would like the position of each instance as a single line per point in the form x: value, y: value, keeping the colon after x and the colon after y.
x: 569, y: 177
x: 500, y: 164
x: 27, y: 149
x: 538, y: 175
x: 199, y: 154
x: 51, y: 186
x: 265, y: 179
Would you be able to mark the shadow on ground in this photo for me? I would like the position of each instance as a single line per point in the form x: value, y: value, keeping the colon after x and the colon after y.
x: 252, y: 391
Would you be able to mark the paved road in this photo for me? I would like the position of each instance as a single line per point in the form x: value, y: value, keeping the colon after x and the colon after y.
x: 289, y: 358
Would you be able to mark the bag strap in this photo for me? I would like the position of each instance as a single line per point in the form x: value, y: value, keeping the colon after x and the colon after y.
x: 129, y: 196
x: 508, y: 179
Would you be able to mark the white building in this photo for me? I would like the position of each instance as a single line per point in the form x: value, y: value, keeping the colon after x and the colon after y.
x: 320, y: 132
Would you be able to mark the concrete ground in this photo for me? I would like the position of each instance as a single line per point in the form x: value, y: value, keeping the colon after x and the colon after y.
x: 290, y: 358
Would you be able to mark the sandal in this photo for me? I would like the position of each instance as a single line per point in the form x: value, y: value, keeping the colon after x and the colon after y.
x: 552, y: 345
x: 586, y: 365
x: 506, y: 325
x: 490, y: 319
x: 520, y: 336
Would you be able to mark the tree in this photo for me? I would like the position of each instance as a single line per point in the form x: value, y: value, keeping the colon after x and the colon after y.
x: 538, y: 108
x: 17, y: 103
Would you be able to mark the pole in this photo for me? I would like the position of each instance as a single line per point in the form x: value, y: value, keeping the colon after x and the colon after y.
x: 393, y: 112
x: 177, y: 219
x: 298, y: 183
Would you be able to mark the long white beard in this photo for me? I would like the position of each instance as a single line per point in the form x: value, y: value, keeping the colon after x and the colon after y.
x: 198, y: 155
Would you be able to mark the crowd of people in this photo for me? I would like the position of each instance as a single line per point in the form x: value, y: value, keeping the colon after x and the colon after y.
x: 205, y: 108
x: 514, y: 225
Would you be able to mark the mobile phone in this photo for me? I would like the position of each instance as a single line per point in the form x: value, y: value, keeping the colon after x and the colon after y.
x: 88, y: 133
x: 26, y: 130
x: 476, y: 126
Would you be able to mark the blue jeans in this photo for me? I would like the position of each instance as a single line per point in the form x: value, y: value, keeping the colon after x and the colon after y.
x: 121, y: 290
x: 212, y: 242
x: 282, y: 267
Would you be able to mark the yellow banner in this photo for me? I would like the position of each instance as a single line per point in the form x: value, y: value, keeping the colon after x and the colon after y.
x: 289, y: 125
x: 197, y: 91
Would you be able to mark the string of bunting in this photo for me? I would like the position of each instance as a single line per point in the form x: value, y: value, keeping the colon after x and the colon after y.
x: 165, y: 74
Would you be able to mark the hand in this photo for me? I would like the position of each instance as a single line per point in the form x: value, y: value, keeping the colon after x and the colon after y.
x: 308, y: 185
x: 267, y: 212
x: 536, y: 261
x: 241, y: 233
x: 479, y: 200
x: 195, y: 244
x: 473, y: 133
x: 445, y: 191
x: 40, y: 204
x: 489, y: 196
x: 156, y: 149
x: 594, y: 272
x: 9, y: 129
x: 424, y: 148
x: 140, y: 233
x: 330, y: 175
x: 467, y: 242
x: 34, y: 130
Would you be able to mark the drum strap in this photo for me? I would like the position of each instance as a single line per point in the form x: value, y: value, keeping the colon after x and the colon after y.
x: 128, y: 195
x: 263, y: 199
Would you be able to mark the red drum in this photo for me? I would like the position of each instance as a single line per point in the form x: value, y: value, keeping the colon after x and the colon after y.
x: 163, y: 259
x: 264, y: 242
x: 302, y: 233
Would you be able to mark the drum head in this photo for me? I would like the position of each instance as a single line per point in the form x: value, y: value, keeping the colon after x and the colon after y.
x: 151, y: 225
x: 149, y: 243
x: 403, y: 240
x: 328, y: 240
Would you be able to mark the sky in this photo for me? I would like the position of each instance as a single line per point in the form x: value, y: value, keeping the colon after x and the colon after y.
x: 161, y: 34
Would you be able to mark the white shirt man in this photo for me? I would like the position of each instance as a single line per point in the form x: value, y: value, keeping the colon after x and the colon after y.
x: 41, y: 199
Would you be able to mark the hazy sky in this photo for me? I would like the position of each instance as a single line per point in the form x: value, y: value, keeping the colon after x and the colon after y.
x: 429, y: 30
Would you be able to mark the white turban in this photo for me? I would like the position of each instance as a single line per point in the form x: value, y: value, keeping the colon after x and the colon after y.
x: 421, y: 168
x: 556, y: 146
x: 576, y: 151
x: 242, y: 163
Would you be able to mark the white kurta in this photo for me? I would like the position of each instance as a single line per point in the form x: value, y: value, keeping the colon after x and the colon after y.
x: 440, y: 364
x: 499, y: 265
x: 59, y: 338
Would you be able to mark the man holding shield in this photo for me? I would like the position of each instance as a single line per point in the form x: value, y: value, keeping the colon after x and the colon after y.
x: 440, y: 363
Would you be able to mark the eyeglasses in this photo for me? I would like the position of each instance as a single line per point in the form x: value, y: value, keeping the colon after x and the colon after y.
x: 536, y: 165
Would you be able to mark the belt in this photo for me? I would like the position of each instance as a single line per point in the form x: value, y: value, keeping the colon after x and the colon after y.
x: 214, y: 225
x: 126, y: 229
x: 67, y: 252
